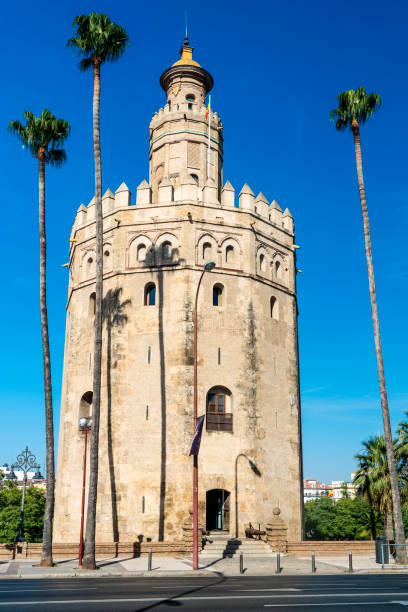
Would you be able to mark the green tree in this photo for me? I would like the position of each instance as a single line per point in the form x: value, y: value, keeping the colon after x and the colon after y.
x: 98, y: 40
x: 346, y: 519
x: 355, y: 107
x: 373, y: 477
x: 44, y: 136
x: 10, y: 503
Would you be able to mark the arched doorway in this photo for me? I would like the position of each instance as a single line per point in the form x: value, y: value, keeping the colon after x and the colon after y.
x: 217, y: 510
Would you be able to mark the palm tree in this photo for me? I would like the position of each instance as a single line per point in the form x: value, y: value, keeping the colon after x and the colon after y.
x: 373, y: 477
x: 98, y: 40
x: 44, y: 137
x: 355, y: 108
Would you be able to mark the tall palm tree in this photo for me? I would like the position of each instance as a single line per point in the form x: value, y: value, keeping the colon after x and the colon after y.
x: 373, y: 477
x: 355, y: 107
x: 44, y: 137
x: 98, y: 40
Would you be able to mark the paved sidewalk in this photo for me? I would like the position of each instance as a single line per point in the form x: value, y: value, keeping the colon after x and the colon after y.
x: 170, y: 566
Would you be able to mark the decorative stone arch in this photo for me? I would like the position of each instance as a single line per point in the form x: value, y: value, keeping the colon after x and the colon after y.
x: 140, y: 252
x: 262, y: 262
x: 231, y: 254
x: 88, y: 266
x: 167, y: 249
x: 206, y: 249
x: 107, y: 257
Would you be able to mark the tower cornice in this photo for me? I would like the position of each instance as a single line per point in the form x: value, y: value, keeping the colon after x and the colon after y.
x: 183, y: 71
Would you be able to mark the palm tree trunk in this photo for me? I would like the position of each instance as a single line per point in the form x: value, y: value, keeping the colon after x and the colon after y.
x: 388, y: 530
x: 89, y: 551
x: 46, y: 556
x: 396, y: 501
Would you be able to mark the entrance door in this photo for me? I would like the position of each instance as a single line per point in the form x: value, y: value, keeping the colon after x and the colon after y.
x: 217, y: 510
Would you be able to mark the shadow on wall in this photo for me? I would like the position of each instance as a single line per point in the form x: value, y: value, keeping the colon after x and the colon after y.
x: 157, y: 257
x: 114, y: 316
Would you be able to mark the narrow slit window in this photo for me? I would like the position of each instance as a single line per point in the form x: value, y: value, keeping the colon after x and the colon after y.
x: 143, y: 504
x: 274, y: 308
x: 229, y: 254
x: 166, y: 250
x: 207, y: 251
x: 217, y: 295
x: 92, y: 300
x: 147, y: 412
x: 149, y: 354
x: 219, y: 356
x: 141, y: 252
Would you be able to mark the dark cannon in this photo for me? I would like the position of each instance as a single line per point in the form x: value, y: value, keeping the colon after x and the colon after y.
x: 250, y: 532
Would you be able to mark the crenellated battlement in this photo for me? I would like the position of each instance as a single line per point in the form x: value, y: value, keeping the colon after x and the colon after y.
x: 181, y: 112
x: 188, y: 192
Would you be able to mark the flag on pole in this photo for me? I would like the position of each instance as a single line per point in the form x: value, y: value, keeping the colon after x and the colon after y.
x: 207, y: 111
x: 195, y: 445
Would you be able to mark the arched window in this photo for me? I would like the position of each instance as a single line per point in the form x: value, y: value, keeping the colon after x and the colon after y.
x: 166, y: 250
x: 195, y: 177
x: 85, y: 405
x: 150, y: 295
x: 106, y: 253
x: 190, y: 97
x: 278, y: 270
x: 217, y: 294
x: 219, y: 415
x: 229, y: 254
x: 274, y: 308
x: 141, y: 252
x: 207, y: 251
x: 262, y: 262
x: 91, y: 309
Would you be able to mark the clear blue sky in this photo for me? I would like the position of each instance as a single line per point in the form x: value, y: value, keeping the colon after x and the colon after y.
x: 277, y: 68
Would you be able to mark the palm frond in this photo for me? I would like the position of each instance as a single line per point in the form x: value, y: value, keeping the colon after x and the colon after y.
x: 354, y: 105
x: 47, y: 133
x: 56, y: 157
x: 98, y: 36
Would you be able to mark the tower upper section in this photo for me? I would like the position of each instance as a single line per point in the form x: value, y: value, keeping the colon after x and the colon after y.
x: 185, y: 137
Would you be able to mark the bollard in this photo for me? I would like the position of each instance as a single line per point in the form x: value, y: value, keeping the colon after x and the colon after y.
x: 241, y: 563
x: 278, y: 567
x: 350, y: 561
x: 149, y: 560
x: 313, y: 563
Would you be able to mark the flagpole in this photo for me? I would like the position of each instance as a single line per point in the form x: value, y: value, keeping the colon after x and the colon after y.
x: 209, y: 137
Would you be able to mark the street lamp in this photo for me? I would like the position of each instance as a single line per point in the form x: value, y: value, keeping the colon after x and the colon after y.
x: 84, y: 427
x: 26, y: 461
x: 208, y: 266
x: 255, y: 470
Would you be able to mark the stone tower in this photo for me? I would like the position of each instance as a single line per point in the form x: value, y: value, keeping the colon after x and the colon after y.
x: 248, y: 382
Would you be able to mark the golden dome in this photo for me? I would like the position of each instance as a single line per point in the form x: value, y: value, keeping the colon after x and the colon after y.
x: 186, y: 53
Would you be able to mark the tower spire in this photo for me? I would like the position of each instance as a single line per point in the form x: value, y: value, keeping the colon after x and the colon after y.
x: 186, y: 24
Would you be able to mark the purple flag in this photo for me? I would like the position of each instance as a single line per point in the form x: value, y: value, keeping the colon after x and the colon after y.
x: 195, y: 446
